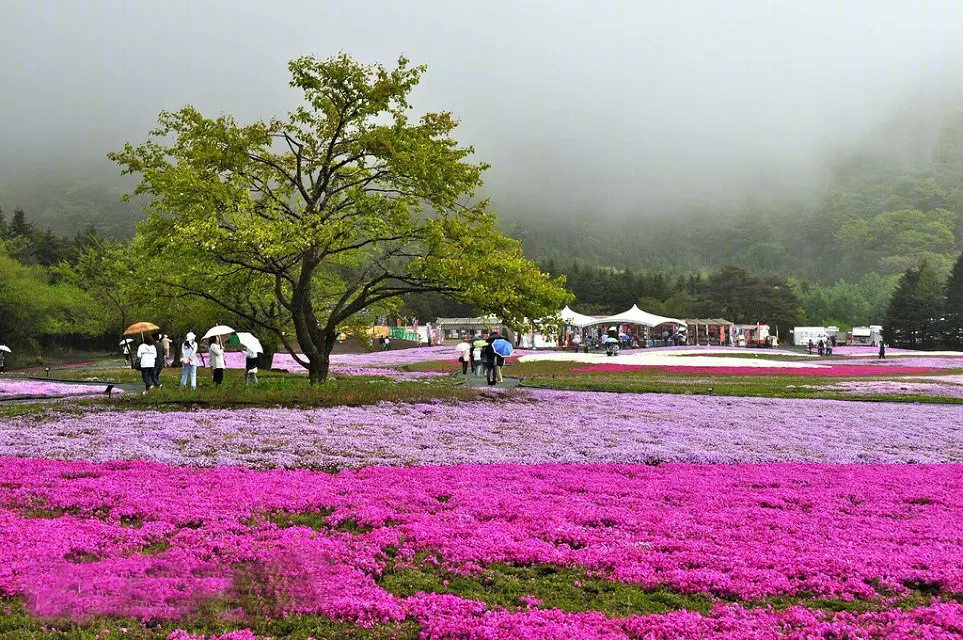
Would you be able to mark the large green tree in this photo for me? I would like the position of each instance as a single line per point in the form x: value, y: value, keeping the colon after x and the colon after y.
x: 344, y: 204
x: 914, y: 316
x: 954, y: 305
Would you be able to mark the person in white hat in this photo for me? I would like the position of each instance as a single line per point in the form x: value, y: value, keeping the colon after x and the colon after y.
x: 216, y: 353
x: 189, y: 360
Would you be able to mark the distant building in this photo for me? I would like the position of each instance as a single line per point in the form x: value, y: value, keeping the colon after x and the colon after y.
x: 709, y: 331
x: 462, y: 328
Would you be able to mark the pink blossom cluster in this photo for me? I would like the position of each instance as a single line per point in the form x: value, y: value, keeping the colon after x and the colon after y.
x: 387, y: 372
x: 871, y: 351
x: 928, y: 362
x: 12, y: 387
x: 848, y: 370
x: 867, y: 387
x: 383, y: 363
x: 448, y: 618
x: 150, y: 541
x: 533, y: 427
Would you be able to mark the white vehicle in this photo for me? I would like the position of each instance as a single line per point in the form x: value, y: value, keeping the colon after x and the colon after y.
x: 873, y: 334
x: 802, y: 335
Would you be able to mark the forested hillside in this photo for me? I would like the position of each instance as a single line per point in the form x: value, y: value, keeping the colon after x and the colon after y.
x: 887, y: 205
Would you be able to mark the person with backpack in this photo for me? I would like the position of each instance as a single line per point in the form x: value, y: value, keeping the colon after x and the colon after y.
x: 146, y: 357
x: 488, y: 359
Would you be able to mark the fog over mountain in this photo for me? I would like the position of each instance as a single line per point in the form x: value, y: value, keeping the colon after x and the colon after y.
x: 641, y: 109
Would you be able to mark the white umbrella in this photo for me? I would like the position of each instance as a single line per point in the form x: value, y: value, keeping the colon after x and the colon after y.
x: 249, y: 341
x: 4, y: 347
x: 462, y: 347
x: 126, y: 341
x: 219, y: 330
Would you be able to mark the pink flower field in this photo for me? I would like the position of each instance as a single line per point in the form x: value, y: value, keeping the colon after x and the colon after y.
x: 848, y: 370
x: 530, y: 514
x: 154, y: 542
x: 12, y: 388
x: 534, y: 427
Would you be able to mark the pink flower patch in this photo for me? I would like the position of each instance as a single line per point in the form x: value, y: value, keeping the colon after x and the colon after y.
x: 832, y: 371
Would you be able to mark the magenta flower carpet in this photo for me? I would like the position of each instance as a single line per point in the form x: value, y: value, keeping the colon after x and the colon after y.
x: 154, y: 542
x: 748, y: 517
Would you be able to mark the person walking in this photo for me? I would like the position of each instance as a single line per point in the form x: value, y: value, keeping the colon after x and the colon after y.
x: 146, y: 355
x: 488, y: 358
x: 810, y: 346
x: 189, y: 360
x: 471, y: 353
x: 3, y: 363
x: 882, y: 350
x: 250, y: 366
x: 821, y: 348
x: 216, y: 353
x: 158, y: 361
x: 166, y: 343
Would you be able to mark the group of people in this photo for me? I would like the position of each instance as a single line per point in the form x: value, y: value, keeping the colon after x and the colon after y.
x: 823, y: 347
x: 154, y: 353
x: 484, y: 358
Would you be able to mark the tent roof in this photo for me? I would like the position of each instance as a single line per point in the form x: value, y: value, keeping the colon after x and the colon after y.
x: 574, y: 318
x: 636, y: 316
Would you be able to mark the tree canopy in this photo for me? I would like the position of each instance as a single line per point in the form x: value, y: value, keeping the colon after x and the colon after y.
x: 299, y: 224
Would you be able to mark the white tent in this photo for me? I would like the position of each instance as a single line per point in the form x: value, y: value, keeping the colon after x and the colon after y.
x: 635, y: 316
x: 575, y: 319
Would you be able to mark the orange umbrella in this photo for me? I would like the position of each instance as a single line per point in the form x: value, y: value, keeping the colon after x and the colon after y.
x: 140, y: 327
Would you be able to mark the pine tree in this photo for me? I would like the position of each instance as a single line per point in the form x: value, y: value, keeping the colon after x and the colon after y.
x: 954, y: 305
x: 899, y: 328
x: 930, y: 293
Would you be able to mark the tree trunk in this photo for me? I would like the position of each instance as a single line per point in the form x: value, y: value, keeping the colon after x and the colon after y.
x: 266, y: 359
x: 319, y: 361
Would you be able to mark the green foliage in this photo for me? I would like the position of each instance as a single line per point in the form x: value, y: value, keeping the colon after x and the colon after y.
x: 298, y: 225
x: 570, y: 590
x: 954, y: 305
x: 893, y: 241
x: 33, y: 306
x: 848, y: 304
x: 914, y: 317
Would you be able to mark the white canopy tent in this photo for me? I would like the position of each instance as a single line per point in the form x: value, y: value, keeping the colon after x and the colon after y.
x: 575, y: 319
x: 635, y: 316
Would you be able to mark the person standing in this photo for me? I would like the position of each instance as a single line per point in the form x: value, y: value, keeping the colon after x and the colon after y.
x: 166, y: 343
x: 882, y: 350
x: 146, y: 355
x: 216, y: 353
x: 189, y: 360
x: 499, y: 363
x: 471, y: 353
x: 810, y: 346
x: 250, y: 366
x: 488, y: 358
x: 821, y: 349
x: 158, y: 361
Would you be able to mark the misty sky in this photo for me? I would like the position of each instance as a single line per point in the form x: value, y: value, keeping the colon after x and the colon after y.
x: 579, y: 106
